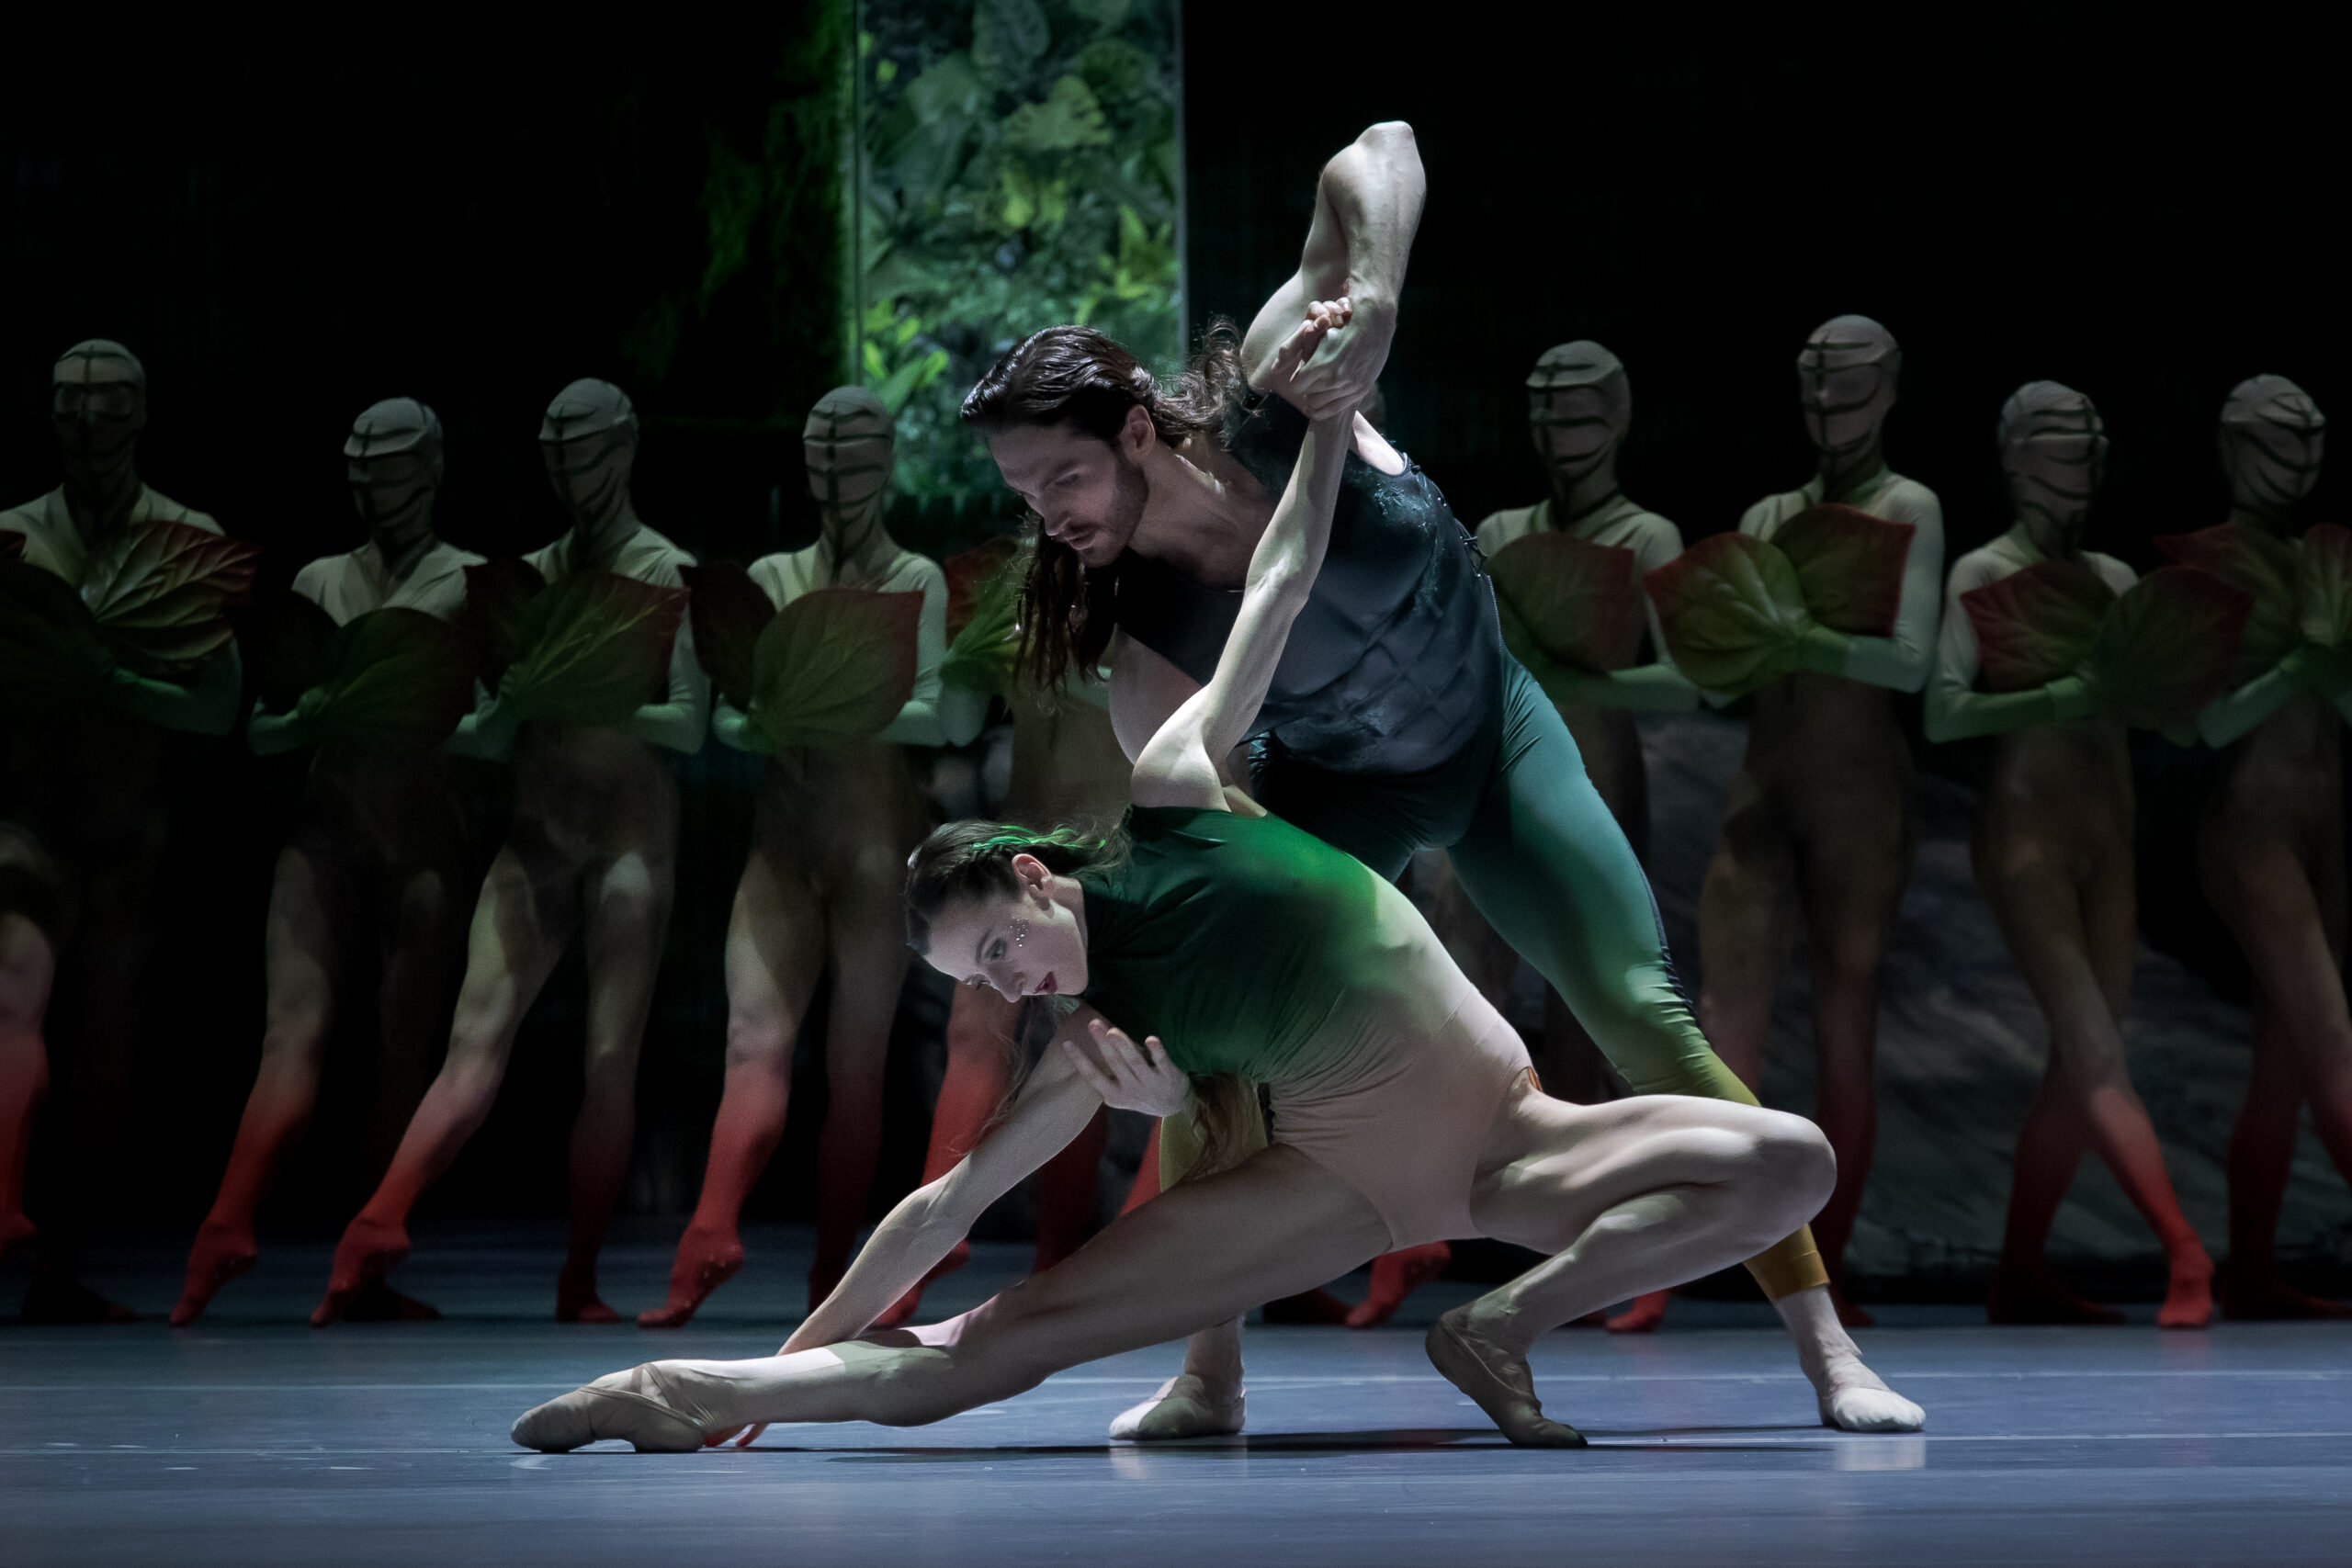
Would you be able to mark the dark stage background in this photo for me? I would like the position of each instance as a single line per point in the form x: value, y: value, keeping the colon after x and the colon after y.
x: 2140, y: 204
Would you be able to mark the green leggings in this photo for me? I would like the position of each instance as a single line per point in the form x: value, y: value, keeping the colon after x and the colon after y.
x: 1539, y: 853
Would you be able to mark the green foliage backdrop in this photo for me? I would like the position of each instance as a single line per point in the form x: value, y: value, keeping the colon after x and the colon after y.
x: 1017, y: 166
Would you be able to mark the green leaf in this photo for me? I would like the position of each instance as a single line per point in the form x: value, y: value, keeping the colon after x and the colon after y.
x: 394, y: 682
x: 1732, y: 612
x: 1850, y: 566
x: 1070, y: 117
x: 2254, y: 562
x: 909, y: 378
x: 282, y: 639
x: 53, y: 658
x: 2034, y: 626
x: 2167, y: 648
x: 159, y: 591
x: 730, y: 612
x: 835, y: 665
x: 2323, y: 584
x: 1573, y: 602
x: 1007, y: 38
x: 983, y: 618
x: 596, y: 650
x: 498, y: 593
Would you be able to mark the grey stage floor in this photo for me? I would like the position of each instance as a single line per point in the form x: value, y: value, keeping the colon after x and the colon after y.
x: 253, y: 1439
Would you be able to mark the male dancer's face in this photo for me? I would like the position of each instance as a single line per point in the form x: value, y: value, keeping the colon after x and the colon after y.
x: 1087, y: 494
x: 1030, y: 946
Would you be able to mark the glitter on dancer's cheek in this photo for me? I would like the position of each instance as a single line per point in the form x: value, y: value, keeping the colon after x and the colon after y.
x: 1010, y: 946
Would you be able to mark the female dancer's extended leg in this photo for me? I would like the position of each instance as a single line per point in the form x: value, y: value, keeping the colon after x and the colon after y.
x: 1634, y: 1194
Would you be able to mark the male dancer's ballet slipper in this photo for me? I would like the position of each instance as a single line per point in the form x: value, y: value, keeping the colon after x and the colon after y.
x: 1498, y: 1382
x: 630, y: 1404
x: 1182, y: 1408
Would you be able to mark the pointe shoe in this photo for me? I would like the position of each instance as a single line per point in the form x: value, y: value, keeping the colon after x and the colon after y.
x: 1182, y: 1408
x: 630, y: 1406
x: 1641, y: 1315
x: 1311, y: 1307
x: 706, y: 1260
x: 71, y: 1301
x: 1395, y: 1276
x: 1497, y: 1382
x: 2018, y: 1299
x: 368, y: 1251
x: 1869, y: 1407
x: 220, y: 1254
x: 2247, y: 1297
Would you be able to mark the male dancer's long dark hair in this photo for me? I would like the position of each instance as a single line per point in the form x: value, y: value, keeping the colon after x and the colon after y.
x: 1077, y: 376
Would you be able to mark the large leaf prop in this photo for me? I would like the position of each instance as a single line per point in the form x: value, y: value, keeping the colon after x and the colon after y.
x: 1848, y: 565
x: 158, y: 592
x: 282, y: 639
x: 2034, y: 626
x: 2257, y: 564
x: 2323, y: 584
x: 730, y: 612
x: 2167, y: 648
x: 52, y: 655
x: 970, y: 573
x: 1568, y: 601
x: 835, y: 665
x: 498, y: 597
x: 986, y: 648
x: 596, y: 648
x: 1732, y: 611
x: 392, y: 681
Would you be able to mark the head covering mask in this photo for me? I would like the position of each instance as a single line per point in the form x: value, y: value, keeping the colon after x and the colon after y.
x: 1578, y: 404
x: 850, y: 443
x: 589, y: 439
x: 2273, y: 438
x: 1845, y: 376
x: 393, y: 458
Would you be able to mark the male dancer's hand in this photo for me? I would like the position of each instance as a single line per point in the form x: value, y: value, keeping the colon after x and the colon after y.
x: 1130, y: 1077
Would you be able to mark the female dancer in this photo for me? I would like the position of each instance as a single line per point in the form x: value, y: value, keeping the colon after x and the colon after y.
x: 1820, y: 814
x: 592, y: 851
x: 829, y: 847
x: 374, y: 830
x: 2053, y: 849
x: 2270, y: 852
x: 1402, y: 1100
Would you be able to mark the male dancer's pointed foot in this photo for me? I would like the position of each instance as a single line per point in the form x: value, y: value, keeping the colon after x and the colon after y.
x: 1311, y: 1307
x: 2188, y: 1291
x: 706, y: 1260
x: 902, y: 1310
x: 221, y: 1253
x: 369, y: 1250
x: 68, y: 1301
x: 1643, y: 1314
x: 1497, y: 1380
x: 629, y: 1405
x: 1185, y: 1406
x: 2249, y: 1295
x: 1395, y: 1276
x: 2022, y: 1296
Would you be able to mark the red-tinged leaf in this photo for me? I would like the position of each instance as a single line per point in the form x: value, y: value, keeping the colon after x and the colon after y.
x: 1849, y: 565
x: 970, y: 574
x: 282, y: 639
x: 985, y: 651
x: 2323, y: 584
x: 596, y: 650
x: 2167, y: 648
x: 12, y: 545
x: 730, y: 611
x: 54, y: 660
x: 835, y: 665
x: 498, y: 595
x: 1571, y: 601
x: 2034, y: 626
x: 158, y: 591
x: 1732, y: 612
x: 2257, y: 563
x: 392, y: 682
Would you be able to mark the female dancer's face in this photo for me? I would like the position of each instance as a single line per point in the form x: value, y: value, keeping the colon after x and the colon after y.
x: 1032, y: 944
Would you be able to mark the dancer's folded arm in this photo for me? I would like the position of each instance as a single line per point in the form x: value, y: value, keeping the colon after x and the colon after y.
x: 1054, y: 1106
x: 1178, y: 766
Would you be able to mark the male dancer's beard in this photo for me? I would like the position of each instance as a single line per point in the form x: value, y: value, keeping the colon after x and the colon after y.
x: 1129, y: 494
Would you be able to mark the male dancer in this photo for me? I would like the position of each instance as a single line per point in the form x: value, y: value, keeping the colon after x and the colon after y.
x: 1396, y: 721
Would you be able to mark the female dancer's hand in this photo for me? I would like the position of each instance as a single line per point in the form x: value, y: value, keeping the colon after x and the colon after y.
x: 1317, y: 397
x: 1131, y: 1076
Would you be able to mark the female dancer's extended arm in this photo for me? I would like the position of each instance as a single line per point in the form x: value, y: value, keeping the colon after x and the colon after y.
x: 1178, y: 764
